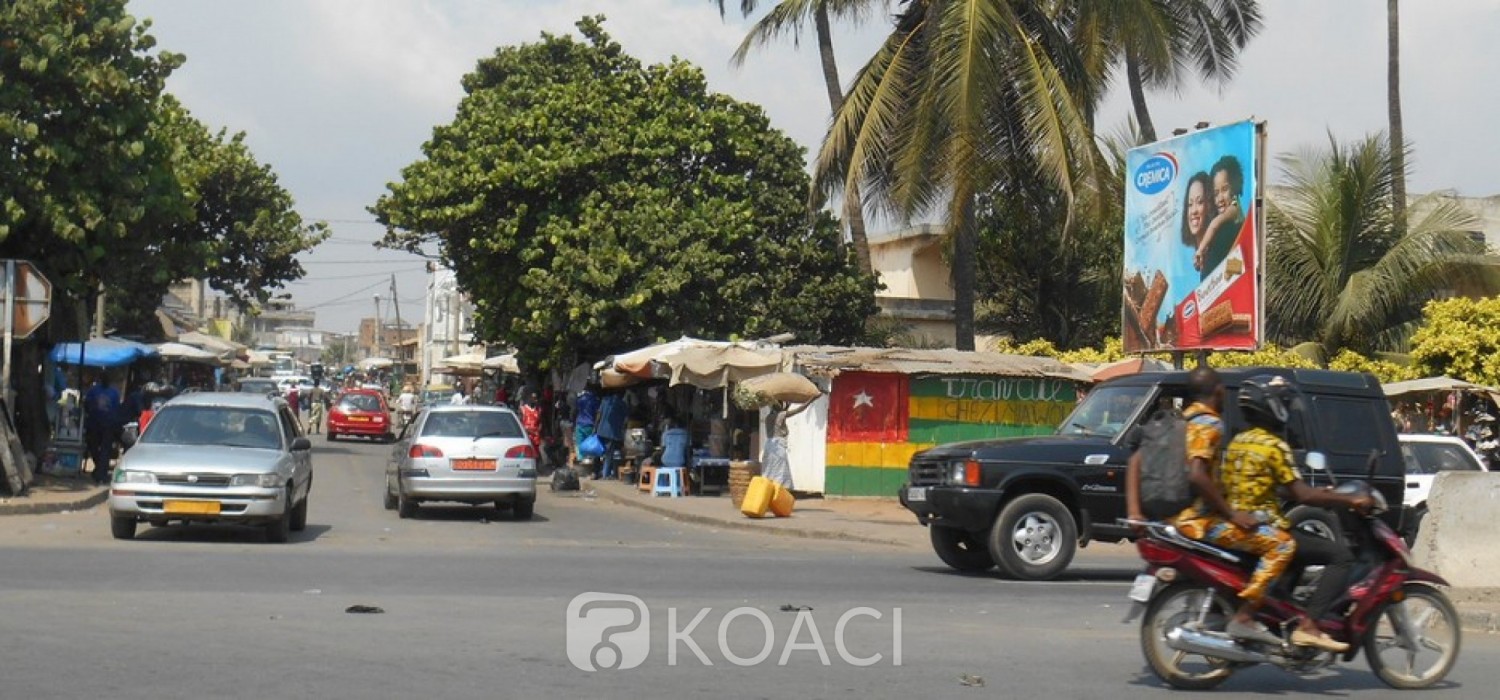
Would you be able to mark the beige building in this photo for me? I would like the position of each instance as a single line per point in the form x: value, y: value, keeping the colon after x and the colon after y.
x: 918, y: 281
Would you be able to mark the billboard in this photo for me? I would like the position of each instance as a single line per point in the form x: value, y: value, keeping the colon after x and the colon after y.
x: 1193, y: 242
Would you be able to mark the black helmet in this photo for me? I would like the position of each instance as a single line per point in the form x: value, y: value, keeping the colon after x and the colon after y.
x: 1265, y: 399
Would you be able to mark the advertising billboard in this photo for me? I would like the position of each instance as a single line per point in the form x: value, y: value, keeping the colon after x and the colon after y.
x: 1193, y: 242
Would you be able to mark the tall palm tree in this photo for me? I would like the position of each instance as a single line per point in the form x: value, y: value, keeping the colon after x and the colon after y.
x: 791, y: 16
x: 959, y: 92
x: 1340, y: 272
x: 1161, y: 41
x: 1393, y: 107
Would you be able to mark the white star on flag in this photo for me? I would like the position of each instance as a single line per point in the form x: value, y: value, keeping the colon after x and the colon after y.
x: 863, y: 399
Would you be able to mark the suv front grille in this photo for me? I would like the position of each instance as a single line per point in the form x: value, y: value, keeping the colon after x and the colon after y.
x: 193, y: 479
x: 926, y: 473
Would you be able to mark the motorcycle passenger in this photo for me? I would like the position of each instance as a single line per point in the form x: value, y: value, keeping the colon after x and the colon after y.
x: 1205, y: 437
x: 1257, y: 465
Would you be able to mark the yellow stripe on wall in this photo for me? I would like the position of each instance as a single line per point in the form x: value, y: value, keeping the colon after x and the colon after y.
x: 980, y: 411
x: 882, y: 455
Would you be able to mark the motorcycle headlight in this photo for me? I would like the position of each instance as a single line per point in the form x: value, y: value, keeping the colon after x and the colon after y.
x: 134, y: 477
x: 265, y: 481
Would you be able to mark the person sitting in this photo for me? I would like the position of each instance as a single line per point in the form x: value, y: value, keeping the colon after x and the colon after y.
x: 1258, y: 465
x: 675, y: 445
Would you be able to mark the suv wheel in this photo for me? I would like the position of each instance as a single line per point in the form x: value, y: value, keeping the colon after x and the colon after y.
x: 961, y: 550
x: 123, y: 528
x: 1034, y: 538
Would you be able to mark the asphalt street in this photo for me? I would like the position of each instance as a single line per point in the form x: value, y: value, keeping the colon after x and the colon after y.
x: 475, y: 604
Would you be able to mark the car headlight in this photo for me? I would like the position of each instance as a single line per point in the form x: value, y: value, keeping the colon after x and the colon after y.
x: 965, y: 473
x: 265, y: 481
x: 134, y: 477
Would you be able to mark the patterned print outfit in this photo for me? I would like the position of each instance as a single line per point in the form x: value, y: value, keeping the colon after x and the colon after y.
x: 1256, y: 463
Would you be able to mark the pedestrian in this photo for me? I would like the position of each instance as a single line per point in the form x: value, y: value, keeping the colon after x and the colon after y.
x: 583, y: 417
x: 458, y: 397
x: 406, y: 403
x: 775, y: 462
x: 531, y: 419
x: 101, y: 416
x: 316, y: 401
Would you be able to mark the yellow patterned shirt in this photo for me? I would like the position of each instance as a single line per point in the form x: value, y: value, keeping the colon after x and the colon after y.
x: 1205, y: 433
x: 1257, y: 463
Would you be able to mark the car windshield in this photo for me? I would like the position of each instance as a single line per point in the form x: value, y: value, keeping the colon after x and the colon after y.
x: 1106, y: 411
x: 257, y: 387
x: 359, y: 402
x: 213, y: 425
x: 1434, y: 457
x: 472, y: 424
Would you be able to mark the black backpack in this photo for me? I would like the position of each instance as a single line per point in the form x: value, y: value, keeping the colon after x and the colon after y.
x: 1165, y: 490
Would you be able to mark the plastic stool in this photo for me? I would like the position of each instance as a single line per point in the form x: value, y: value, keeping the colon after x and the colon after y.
x: 668, y: 482
x: 647, y: 478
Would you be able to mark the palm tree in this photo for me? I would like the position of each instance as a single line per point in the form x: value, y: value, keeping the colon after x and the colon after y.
x: 1160, y: 40
x: 1393, y: 107
x: 790, y: 16
x: 961, y: 91
x: 1340, y: 272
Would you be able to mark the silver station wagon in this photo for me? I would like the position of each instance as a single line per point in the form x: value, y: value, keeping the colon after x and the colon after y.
x: 215, y: 457
x: 467, y: 454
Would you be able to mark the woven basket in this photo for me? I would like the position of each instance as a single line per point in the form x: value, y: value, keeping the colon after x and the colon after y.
x: 740, y: 474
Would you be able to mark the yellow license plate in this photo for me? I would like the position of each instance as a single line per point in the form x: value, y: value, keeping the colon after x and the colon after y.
x: 191, y: 507
x: 474, y: 465
x: 359, y: 419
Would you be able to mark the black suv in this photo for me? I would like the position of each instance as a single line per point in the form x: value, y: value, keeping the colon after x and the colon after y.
x: 1026, y: 504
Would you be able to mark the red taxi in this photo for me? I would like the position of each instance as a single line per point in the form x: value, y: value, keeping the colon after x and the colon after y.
x: 361, y: 412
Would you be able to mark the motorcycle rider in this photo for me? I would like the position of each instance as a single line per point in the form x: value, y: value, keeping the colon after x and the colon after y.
x: 1257, y: 465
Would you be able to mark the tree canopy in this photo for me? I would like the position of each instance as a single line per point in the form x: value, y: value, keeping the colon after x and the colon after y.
x: 588, y: 204
x: 1460, y: 339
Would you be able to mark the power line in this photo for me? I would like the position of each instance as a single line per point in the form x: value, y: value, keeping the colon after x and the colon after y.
x: 359, y: 262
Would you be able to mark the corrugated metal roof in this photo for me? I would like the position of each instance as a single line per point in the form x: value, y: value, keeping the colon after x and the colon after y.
x: 829, y: 361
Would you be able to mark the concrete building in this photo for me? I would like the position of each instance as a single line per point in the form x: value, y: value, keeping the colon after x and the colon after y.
x: 918, y: 281
x: 449, y: 327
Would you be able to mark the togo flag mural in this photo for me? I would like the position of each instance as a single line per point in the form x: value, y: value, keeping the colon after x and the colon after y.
x: 877, y: 421
x: 1193, y: 241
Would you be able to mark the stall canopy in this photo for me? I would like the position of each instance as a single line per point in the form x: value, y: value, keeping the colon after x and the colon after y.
x: 1431, y: 384
x: 471, y: 364
x: 504, y: 363
x: 1134, y: 365
x: 707, y: 364
x: 223, y: 348
x: 177, y: 352
x: 101, y: 352
x: 375, y: 363
x: 830, y: 361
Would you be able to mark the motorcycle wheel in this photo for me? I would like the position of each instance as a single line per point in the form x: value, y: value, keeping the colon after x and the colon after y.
x: 1435, y: 629
x: 1180, y: 604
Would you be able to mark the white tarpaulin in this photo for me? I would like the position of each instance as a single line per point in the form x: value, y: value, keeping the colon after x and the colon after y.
x: 178, y: 352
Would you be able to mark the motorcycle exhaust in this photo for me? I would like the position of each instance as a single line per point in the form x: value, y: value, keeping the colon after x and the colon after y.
x: 1212, y: 645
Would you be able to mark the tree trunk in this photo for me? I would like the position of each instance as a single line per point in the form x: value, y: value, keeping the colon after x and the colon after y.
x: 1393, y: 104
x: 853, y: 204
x: 1138, y: 97
x: 965, y: 242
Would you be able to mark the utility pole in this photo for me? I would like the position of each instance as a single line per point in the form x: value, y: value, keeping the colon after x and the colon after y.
x: 377, y: 352
x: 453, y: 315
x: 400, y: 335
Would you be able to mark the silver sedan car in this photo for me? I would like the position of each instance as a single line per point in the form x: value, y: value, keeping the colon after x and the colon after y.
x: 465, y: 454
x: 215, y: 457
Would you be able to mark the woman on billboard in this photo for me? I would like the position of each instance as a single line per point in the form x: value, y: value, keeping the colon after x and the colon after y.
x: 1197, y: 211
x: 1224, y: 229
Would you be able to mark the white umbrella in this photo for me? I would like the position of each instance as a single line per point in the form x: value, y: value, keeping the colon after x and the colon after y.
x: 376, y: 363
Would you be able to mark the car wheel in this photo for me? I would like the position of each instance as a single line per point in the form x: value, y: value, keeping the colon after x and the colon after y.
x: 388, y: 438
x: 281, y: 530
x: 1034, y: 538
x: 1415, y: 528
x: 390, y: 498
x: 522, y: 510
x: 961, y: 550
x: 332, y: 436
x: 123, y: 528
x: 1317, y: 521
x: 299, y: 514
x: 405, y: 507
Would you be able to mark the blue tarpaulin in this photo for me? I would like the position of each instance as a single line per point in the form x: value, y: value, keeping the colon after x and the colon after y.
x: 101, y: 352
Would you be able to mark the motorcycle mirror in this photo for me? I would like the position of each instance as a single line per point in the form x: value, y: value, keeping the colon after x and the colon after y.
x: 1317, y: 461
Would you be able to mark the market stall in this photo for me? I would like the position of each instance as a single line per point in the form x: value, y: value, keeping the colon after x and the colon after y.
x: 1442, y: 405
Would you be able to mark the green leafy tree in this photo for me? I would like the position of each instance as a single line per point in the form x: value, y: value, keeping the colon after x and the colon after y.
x: 1461, y: 338
x: 588, y: 204
x: 960, y: 89
x: 79, y: 167
x: 1339, y: 273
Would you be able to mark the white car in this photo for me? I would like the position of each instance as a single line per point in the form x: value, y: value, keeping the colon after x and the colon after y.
x: 467, y: 454
x: 1425, y: 456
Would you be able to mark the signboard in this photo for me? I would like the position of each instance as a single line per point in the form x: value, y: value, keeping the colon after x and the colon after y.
x: 29, y: 300
x: 1194, y: 242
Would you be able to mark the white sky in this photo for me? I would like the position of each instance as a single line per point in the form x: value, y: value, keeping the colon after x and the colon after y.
x: 338, y: 95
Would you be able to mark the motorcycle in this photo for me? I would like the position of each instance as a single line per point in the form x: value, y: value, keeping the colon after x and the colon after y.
x: 1392, y: 611
x: 1482, y: 436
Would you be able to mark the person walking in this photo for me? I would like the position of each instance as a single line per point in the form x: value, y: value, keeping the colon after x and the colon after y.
x: 101, y: 407
x: 317, y: 402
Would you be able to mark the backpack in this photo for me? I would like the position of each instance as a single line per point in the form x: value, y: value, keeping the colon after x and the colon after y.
x: 1165, y: 490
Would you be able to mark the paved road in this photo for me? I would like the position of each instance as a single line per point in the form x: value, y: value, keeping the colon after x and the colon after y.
x: 474, y: 606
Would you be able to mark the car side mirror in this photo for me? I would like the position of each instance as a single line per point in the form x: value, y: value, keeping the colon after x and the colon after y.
x: 1317, y: 461
x: 130, y: 434
x: 301, y: 443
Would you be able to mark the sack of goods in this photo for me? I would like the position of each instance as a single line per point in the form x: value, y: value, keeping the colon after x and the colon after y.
x: 777, y: 386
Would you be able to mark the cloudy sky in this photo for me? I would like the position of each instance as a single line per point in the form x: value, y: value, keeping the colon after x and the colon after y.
x: 338, y: 95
